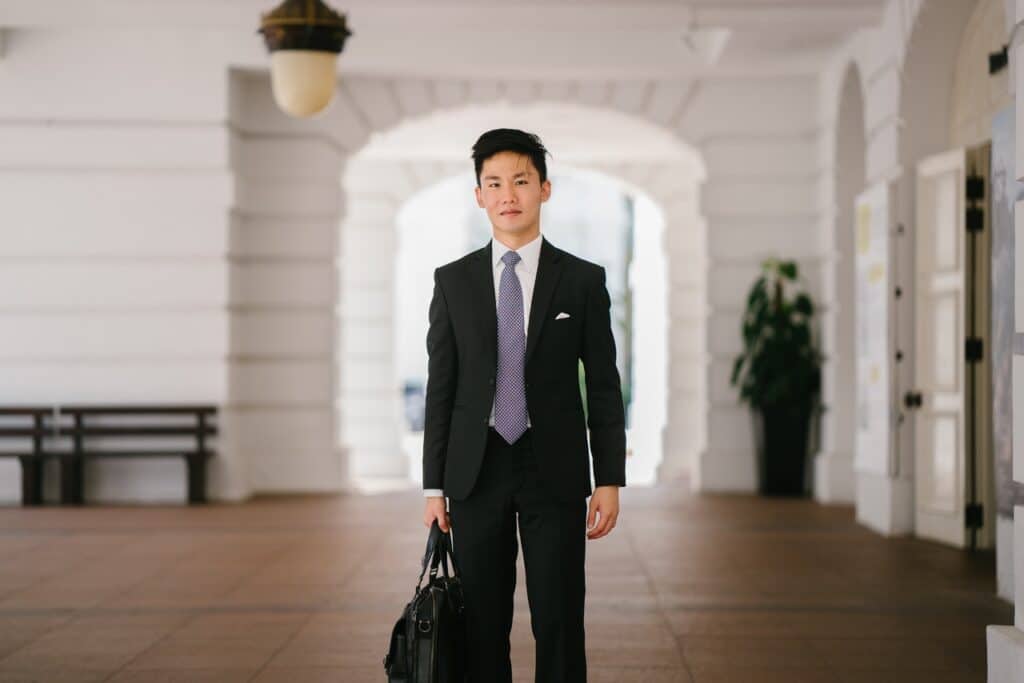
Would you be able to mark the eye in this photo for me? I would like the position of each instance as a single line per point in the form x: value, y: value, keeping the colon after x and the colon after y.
x: 492, y: 184
x: 521, y: 182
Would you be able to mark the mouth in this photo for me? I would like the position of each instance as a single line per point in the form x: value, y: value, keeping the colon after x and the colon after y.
x: 511, y: 212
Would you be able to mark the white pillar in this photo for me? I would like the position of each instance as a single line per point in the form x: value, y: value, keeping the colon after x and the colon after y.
x: 283, y: 295
x: 369, y: 395
x: 885, y: 503
x: 684, y: 239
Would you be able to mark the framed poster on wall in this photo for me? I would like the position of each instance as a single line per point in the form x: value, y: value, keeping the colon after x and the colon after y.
x: 874, y: 431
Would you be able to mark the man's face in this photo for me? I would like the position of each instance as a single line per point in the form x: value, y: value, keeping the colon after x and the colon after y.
x: 511, y: 192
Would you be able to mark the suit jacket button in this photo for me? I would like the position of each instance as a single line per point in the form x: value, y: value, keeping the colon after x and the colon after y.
x: 492, y: 381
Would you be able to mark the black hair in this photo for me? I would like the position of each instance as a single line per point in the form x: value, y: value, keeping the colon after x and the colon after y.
x: 509, y: 140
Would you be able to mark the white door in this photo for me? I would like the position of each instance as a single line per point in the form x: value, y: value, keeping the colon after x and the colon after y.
x: 940, y: 476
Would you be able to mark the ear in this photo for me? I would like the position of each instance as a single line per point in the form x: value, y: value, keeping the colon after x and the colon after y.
x: 545, y: 190
x: 479, y: 197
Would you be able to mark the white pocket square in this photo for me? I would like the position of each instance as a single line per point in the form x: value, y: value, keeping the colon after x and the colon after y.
x: 562, y: 316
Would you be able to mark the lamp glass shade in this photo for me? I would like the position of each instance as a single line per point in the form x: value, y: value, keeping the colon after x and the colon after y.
x: 303, y: 80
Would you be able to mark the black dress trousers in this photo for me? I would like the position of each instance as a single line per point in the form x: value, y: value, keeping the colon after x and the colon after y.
x: 508, y: 490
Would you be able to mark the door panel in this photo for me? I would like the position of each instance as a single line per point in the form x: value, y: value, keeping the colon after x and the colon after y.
x: 939, y: 361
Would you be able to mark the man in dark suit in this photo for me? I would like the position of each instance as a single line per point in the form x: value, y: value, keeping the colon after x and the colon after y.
x: 505, y: 437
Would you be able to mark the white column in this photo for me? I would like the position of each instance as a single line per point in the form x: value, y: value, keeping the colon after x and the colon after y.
x: 684, y: 432
x: 369, y: 399
x: 833, y: 463
x: 283, y: 295
x: 884, y: 503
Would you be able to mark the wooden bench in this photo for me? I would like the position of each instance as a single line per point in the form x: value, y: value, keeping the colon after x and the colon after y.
x: 70, y: 434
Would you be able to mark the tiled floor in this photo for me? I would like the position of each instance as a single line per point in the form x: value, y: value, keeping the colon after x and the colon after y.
x: 704, y: 589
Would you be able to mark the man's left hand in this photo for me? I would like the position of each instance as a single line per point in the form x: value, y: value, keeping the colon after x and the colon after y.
x: 604, y: 510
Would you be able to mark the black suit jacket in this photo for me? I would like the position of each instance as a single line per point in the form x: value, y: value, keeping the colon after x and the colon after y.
x: 462, y: 344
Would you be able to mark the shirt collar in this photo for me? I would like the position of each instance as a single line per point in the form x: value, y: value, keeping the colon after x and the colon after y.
x: 529, y: 253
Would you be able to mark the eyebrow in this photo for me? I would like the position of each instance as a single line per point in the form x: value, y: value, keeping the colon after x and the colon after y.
x: 494, y: 177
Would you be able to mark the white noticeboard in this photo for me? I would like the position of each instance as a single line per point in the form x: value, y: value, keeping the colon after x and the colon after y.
x: 874, y: 423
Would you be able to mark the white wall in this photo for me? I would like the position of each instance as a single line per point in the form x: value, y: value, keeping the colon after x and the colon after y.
x: 978, y: 95
x: 758, y: 141
x: 906, y: 66
x: 114, y: 284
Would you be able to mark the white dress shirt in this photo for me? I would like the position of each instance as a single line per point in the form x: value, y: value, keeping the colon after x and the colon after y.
x: 526, y: 270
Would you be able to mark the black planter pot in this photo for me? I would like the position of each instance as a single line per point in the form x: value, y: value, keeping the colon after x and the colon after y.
x: 780, y: 433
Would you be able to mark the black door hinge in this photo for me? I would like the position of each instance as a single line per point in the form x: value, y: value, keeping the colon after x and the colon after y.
x: 974, y: 219
x: 973, y: 349
x: 974, y: 516
x: 998, y: 60
x: 912, y: 399
x: 975, y: 187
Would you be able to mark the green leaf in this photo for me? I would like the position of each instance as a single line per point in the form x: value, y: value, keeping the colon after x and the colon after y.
x: 758, y: 292
x: 803, y: 304
x: 736, y: 367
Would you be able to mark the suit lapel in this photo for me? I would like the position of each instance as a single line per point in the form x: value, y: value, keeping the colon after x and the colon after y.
x: 485, y: 307
x: 549, y: 270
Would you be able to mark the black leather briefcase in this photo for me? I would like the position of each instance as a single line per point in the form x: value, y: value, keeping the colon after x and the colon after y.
x: 428, y: 641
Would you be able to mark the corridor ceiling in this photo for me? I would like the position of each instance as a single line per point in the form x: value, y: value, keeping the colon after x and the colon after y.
x: 532, y: 39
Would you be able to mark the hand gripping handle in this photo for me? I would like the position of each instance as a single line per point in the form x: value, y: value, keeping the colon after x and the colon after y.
x: 438, y: 552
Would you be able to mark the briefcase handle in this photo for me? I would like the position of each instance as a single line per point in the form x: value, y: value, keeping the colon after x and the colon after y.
x: 446, y: 553
x: 438, y: 551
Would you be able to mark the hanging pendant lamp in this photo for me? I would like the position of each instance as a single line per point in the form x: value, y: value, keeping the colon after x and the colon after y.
x: 304, y: 38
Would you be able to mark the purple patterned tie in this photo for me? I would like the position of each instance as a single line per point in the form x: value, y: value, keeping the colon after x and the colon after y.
x: 510, y: 394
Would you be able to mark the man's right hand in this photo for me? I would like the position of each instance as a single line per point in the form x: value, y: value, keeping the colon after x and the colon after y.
x: 436, y: 509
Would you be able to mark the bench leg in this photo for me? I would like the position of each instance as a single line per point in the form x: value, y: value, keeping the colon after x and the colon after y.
x: 31, y: 480
x: 196, y: 477
x: 71, y: 481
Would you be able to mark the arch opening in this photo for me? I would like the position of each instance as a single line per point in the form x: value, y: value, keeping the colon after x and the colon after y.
x: 641, y: 164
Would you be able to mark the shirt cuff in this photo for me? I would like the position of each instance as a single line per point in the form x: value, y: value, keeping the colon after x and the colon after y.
x: 428, y: 493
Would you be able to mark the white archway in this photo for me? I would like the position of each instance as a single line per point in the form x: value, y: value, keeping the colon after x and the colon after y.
x: 283, y: 431
x: 289, y: 172
x: 441, y: 223
x: 381, y: 176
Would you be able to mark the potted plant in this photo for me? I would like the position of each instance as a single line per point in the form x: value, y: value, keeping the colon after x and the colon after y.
x: 779, y: 376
